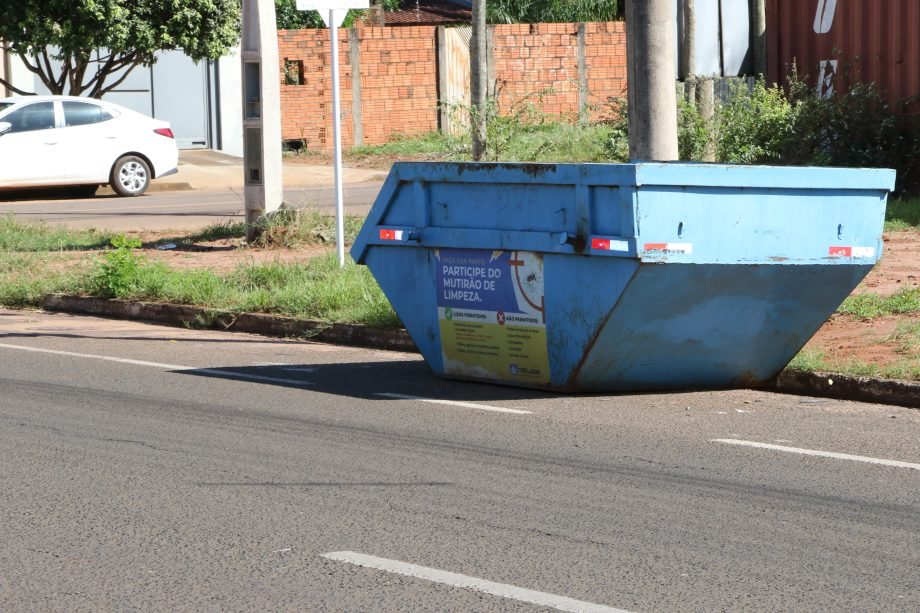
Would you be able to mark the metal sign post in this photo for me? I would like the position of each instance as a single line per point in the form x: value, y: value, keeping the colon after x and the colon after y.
x: 333, y: 13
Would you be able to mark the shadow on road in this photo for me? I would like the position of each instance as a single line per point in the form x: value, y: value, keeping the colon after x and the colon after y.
x: 370, y: 379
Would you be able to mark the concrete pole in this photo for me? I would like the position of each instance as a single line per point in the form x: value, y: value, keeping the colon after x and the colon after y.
x: 687, y: 39
x: 651, y: 77
x: 759, y: 36
x: 478, y: 78
x: 261, y: 112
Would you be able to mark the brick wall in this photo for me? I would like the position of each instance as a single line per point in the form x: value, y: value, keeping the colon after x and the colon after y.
x: 399, y: 93
x: 399, y: 70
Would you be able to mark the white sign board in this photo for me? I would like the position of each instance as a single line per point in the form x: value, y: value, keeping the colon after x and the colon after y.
x: 334, y: 9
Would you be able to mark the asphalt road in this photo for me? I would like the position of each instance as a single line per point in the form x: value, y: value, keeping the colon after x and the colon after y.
x: 180, y: 210
x: 166, y: 469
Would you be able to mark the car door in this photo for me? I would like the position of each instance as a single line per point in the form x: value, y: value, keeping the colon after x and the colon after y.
x: 89, y: 141
x: 29, y: 152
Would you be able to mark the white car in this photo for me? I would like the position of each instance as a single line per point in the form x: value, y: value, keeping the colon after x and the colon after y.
x: 63, y: 140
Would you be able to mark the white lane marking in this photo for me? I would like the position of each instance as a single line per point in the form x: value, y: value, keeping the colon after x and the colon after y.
x: 457, y: 403
x: 206, y: 371
x: 823, y: 454
x: 504, y: 590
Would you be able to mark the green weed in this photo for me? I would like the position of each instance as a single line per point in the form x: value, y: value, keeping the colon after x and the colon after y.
x: 116, y: 270
x: 868, y: 305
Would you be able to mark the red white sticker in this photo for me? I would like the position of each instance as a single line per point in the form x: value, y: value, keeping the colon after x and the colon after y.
x: 609, y: 244
x: 391, y: 235
x: 851, y: 252
x: 686, y: 248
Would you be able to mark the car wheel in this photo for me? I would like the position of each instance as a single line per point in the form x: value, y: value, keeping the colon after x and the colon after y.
x: 130, y: 176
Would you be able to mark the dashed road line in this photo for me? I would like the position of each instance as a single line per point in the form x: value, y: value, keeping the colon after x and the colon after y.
x: 458, y: 403
x: 545, y: 599
x: 223, y: 374
x: 814, y: 452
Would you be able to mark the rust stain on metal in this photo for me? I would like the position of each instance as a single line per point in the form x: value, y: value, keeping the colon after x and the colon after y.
x: 534, y: 170
x: 878, y: 37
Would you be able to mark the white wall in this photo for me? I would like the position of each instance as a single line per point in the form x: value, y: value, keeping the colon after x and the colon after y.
x: 230, y: 96
x: 20, y: 75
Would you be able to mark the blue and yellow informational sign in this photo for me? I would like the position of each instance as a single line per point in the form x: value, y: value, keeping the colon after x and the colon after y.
x: 491, y: 315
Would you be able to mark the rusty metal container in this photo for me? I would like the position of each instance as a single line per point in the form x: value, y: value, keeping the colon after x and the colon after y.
x: 878, y: 37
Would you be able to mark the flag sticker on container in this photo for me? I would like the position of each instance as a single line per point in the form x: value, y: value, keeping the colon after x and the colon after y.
x: 685, y: 248
x: 851, y: 252
x: 387, y: 234
x: 600, y: 243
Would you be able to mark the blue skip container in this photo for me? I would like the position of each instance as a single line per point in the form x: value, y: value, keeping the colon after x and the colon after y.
x: 616, y: 277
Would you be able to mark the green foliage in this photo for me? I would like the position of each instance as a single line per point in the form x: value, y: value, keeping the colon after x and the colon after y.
x: 692, y: 132
x: 550, y: 11
x: 132, y: 32
x: 902, y: 214
x: 116, y: 271
x: 289, y: 18
x: 855, y: 127
x: 616, y: 117
x: 753, y: 125
x: 429, y: 146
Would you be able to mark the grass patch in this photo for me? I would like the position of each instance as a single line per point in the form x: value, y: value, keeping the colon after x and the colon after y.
x: 868, y: 305
x: 902, y: 214
x: 509, y: 141
x: 430, y: 146
x: 810, y: 360
x: 25, y: 278
x: 907, y: 336
x: 38, y: 237
x: 315, y: 289
x: 287, y: 227
x: 295, y: 227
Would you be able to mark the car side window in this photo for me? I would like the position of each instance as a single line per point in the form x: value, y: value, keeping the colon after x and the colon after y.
x: 38, y: 116
x: 82, y: 113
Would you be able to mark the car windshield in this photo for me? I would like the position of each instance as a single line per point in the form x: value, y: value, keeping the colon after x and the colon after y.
x: 4, y: 105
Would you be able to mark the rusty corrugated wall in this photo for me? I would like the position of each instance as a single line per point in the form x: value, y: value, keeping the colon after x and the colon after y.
x: 879, y: 38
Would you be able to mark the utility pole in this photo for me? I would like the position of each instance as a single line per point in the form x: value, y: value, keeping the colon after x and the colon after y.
x: 478, y: 78
x: 759, y: 36
x: 651, y: 79
x: 687, y: 39
x: 261, y: 112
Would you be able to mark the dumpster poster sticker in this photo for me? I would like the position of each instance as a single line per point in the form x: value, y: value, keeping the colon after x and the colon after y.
x: 490, y: 311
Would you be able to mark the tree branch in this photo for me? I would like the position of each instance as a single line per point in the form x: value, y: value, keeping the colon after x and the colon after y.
x: 103, y: 91
x: 14, y: 89
x: 127, y: 62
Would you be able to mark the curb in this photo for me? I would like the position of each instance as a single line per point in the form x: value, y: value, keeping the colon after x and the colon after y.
x: 253, y: 323
x: 846, y: 387
x: 154, y: 187
x: 826, y: 385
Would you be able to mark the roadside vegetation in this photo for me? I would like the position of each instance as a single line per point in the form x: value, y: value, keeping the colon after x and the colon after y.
x: 314, y: 288
x: 905, y: 369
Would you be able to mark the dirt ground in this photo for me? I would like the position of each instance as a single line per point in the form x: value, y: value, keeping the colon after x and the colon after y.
x: 847, y: 339
x: 842, y: 339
